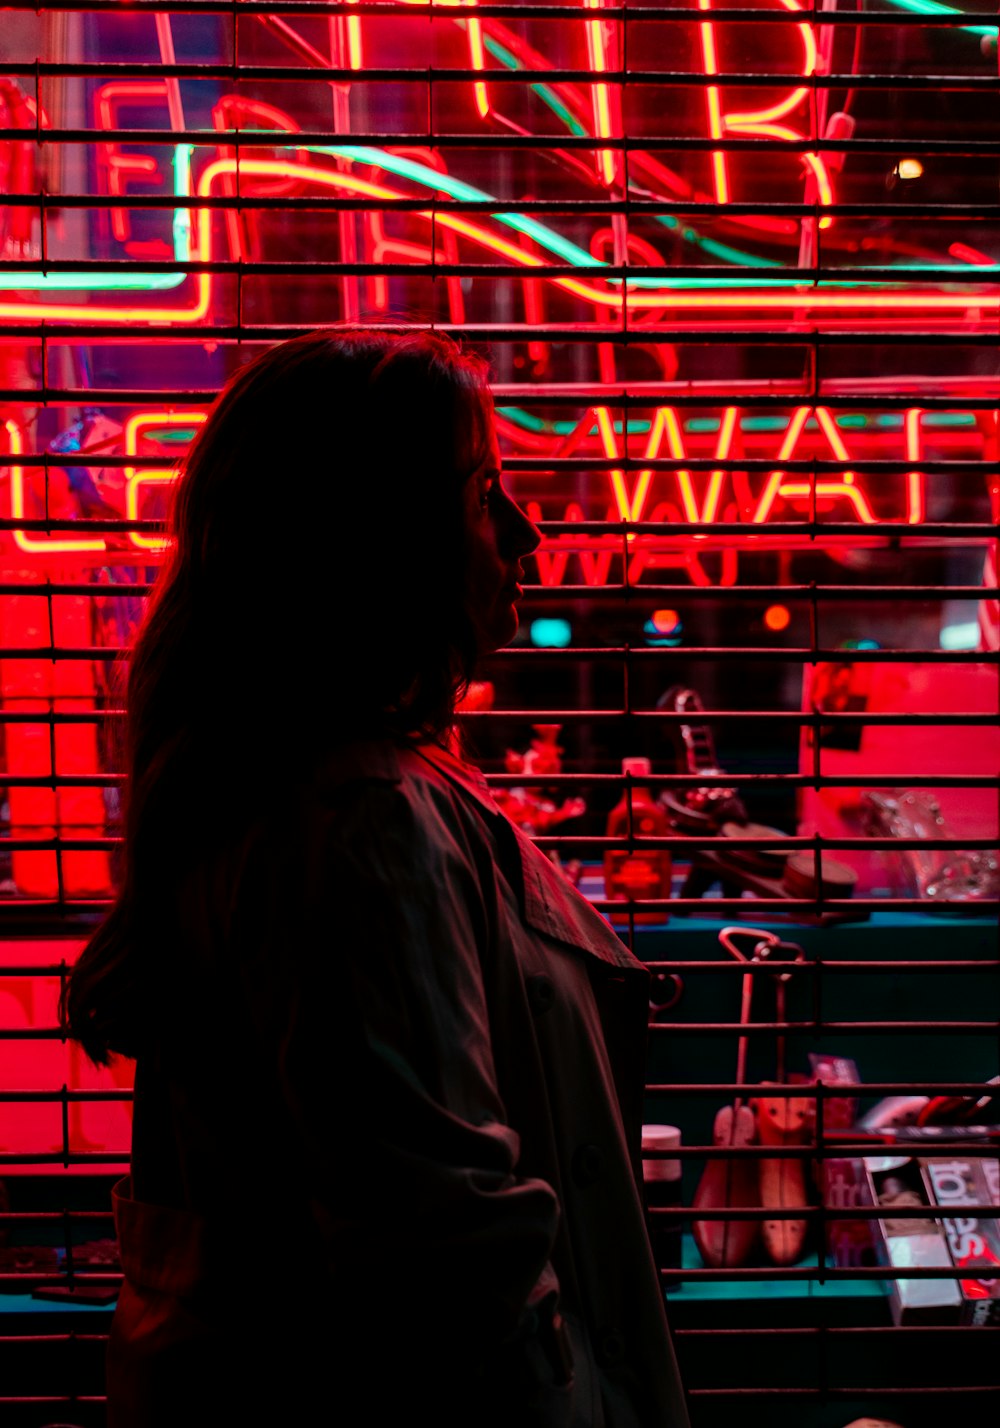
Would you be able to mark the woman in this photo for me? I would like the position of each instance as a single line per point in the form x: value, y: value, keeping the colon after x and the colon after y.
x: 389, y: 1064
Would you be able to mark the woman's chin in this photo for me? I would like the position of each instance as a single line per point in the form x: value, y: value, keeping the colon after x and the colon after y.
x: 499, y: 632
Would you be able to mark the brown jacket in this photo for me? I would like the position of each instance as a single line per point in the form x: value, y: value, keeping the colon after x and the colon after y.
x: 386, y: 1142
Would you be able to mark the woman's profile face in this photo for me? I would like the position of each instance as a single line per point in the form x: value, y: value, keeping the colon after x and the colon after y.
x: 497, y: 536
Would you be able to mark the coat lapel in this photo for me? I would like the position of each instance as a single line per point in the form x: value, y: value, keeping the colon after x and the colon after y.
x: 553, y: 906
x: 549, y: 903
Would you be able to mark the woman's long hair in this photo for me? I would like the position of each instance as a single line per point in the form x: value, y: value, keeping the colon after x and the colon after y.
x: 313, y: 594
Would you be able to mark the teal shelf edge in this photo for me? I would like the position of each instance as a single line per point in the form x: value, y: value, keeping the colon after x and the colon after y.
x: 700, y: 1291
x: 27, y: 1304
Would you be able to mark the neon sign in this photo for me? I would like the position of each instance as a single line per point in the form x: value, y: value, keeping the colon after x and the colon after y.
x: 726, y: 494
x: 845, y: 488
x: 678, y: 261
x: 33, y: 545
x: 122, y: 169
x: 760, y: 286
x: 681, y: 496
x: 137, y: 478
x: 760, y: 123
x: 834, y: 301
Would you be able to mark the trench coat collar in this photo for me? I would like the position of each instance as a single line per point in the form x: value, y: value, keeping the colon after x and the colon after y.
x: 551, y: 905
x: 458, y: 771
x: 379, y: 759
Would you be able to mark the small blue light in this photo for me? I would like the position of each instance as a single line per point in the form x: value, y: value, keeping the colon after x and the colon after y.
x: 550, y: 634
x: 656, y: 636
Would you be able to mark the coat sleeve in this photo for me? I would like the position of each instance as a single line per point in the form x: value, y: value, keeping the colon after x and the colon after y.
x: 386, y: 1068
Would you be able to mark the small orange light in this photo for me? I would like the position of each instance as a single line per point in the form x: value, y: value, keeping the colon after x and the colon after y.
x: 909, y: 168
x: 665, y: 622
x: 777, y: 617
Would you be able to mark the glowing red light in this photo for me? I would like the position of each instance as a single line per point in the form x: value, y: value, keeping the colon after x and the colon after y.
x: 665, y: 622
x: 915, y: 504
x: 236, y: 111
x: 120, y: 167
x: 779, y: 486
x: 603, y: 125
x: 760, y: 122
x: 777, y: 618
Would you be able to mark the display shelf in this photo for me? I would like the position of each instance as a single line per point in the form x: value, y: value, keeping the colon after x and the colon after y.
x: 63, y: 1316
x: 870, y: 1295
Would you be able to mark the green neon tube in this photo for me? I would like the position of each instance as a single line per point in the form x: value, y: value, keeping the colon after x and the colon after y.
x: 931, y: 7
x: 183, y: 187
x: 847, y: 421
x: 135, y: 279
x: 546, y: 238
x: 544, y: 91
x: 576, y: 256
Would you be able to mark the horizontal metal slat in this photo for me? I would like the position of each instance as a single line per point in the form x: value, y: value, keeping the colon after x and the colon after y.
x: 439, y: 203
x: 463, y: 74
x: 263, y: 139
x: 531, y: 10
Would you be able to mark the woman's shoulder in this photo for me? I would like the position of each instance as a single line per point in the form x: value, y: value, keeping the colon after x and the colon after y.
x: 385, y: 792
x: 422, y: 774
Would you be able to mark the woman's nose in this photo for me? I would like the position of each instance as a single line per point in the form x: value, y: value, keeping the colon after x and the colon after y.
x: 522, y: 536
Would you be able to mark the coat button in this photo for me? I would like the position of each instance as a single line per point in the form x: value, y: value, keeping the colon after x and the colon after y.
x: 611, y: 1347
x: 588, y: 1162
x: 541, y: 994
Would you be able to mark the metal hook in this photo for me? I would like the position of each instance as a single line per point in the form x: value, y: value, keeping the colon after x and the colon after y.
x: 662, y: 979
x: 764, y: 941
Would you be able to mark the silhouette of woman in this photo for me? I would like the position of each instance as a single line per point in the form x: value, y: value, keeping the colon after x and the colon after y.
x: 388, y: 1062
